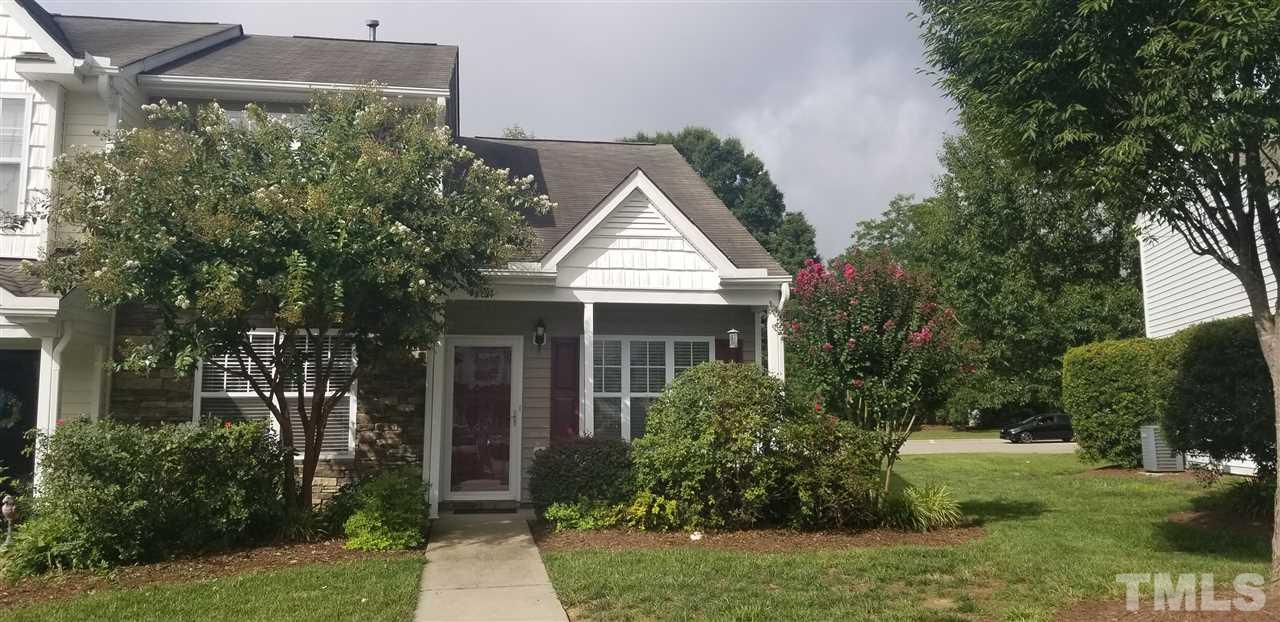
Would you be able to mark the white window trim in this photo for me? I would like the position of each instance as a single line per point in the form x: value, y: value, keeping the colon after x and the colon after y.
x: 626, y: 394
x: 24, y: 157
x: 198, y: 394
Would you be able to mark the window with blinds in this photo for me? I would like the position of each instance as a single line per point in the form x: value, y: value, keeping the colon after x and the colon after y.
x: 224, y: 396
x: 13, y: 132
x: 631, y: 372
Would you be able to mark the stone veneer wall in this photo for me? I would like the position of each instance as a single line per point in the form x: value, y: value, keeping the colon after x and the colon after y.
x: 390, y: 407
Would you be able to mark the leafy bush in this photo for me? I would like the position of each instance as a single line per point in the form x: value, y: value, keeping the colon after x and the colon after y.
x: 833, y: 471
x: 711, y: 445
x: 582, y: 468
x: 114, y: 493
x: 389, y: 511
x: 584, y: 515
x: 1221, y: 401
x: 923, y: 509
x: 1110, y: 389
x: 650, y: 512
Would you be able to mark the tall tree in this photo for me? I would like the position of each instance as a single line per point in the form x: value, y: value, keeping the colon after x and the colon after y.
x: 1174, y: 105
x: 1032, y: 269
x: 348, y: 229
x: 740, y: 179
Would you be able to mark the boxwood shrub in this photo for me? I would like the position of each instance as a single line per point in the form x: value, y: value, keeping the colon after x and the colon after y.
x: 1220, y: 401
x: 582, y: 469
x: 1110, y: 389
x: 115, y: 493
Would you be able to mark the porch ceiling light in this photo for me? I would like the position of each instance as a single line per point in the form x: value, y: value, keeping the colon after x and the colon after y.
x: 540, y: 334
x: 733, y: 339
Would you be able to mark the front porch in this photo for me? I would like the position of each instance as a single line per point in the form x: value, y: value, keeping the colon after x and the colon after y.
x: 514, y: 376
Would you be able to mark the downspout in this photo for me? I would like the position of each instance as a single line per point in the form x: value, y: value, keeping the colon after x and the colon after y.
x: 108, y: 95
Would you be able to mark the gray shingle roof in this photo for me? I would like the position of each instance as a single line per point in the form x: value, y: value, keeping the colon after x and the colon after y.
x: 313, y: 59
x: 578, y: 175
x: 127, y: 41
x: 18, y: 281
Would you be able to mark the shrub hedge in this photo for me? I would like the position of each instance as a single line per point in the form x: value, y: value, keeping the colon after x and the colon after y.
x: 389, y: 511
x: 114, y: 493
x: 1110, y: 389
x: 1221, y: 403
x: 1207, y: 386
x: 597, y: 470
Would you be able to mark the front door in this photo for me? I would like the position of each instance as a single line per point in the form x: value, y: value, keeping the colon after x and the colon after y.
x: 483, y: 418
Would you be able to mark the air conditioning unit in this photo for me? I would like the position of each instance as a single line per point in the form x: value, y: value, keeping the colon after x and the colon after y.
x: 1157, y: 456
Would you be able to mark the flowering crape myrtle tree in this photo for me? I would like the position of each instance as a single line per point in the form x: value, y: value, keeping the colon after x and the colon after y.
x: 346, y: 227
x: 870, y: 341
x: 1171, y: 105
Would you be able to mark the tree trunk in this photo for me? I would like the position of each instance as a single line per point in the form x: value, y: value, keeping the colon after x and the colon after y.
x: 1269, y: 340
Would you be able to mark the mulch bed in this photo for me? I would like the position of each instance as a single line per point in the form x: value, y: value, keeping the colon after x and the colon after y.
x: 751, y: 540
x: 68, y: 584
x: 1109, y: 611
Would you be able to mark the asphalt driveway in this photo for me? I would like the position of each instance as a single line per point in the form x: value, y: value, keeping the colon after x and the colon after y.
x: 986, y: 446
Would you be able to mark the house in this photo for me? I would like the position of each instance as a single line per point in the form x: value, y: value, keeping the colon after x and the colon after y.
x: 1181, y: 289
x: 638, y: 273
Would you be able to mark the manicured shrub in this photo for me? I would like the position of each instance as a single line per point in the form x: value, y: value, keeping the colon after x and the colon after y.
x: 923, y: 509
x: 832, y: 474
x: 1110, y: 389
x: 598, y: 470
x: 114, y: 493
x: 712, y: 445
x: 389, y: 511
x: 1220, y: 401
x: 650, y: 512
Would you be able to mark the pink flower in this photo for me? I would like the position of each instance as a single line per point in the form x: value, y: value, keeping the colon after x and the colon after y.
x: 921, y: 337
x: 795, y: 326
x: 889, y: 324
x: 898, y: 272
x: 853, y: 343
x: 226, y: 424
x: 854, y: 302
x: 58, y: 422
x: 857, y: 383
x: 817, y: 407
x: 827, y: 346
x: 849, y: 272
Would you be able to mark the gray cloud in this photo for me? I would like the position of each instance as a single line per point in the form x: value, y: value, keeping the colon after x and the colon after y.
x: 826, y: 93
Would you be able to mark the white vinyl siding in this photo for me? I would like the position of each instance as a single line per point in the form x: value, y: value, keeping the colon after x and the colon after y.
x: 631, y: 372
x: 39, y: 142
x: 637, y: 248
x: 224, y: 397
x: 1181, y: 288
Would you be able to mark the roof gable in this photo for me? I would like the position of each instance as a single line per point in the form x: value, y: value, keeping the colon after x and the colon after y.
x: 578, y: 176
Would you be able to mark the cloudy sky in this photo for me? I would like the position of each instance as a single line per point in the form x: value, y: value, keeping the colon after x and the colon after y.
x: 827, y: 93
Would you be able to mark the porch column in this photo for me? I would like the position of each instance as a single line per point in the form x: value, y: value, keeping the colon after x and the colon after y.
x: 433, y: 453
x: 586, y: 403
x: 48, y: 401
x: 777, y: 357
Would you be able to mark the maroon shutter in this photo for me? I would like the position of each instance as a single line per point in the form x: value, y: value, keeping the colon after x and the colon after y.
x: 564, y: 388
x: 727, y: 354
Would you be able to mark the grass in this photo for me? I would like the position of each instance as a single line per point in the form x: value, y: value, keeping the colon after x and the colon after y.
x: 1054, y: 536
x: 369, y: 590
x: 943, y: 432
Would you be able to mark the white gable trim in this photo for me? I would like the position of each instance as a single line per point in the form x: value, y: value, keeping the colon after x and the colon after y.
x: 637, y: 180
x: 63, y: 61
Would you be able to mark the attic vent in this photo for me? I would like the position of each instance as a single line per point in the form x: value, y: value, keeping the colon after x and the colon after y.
x: 373, y: 29
x: 1157, y: 456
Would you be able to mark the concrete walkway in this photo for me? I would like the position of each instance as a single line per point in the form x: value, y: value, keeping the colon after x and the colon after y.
x: 985, y: 446
x: 485, y: 567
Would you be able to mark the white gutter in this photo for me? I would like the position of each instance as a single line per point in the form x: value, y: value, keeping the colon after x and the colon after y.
x: 242, y: 88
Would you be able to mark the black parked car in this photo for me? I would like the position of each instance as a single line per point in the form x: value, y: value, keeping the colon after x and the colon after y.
x: 1040, y: 427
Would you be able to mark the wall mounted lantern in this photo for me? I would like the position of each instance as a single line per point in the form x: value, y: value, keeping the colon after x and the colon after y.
x: 733, y: 339
x: 540, y: 334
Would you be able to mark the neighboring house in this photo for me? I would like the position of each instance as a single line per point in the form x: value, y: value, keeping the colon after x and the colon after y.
x: 639, y: 273
x: 1181, y: 289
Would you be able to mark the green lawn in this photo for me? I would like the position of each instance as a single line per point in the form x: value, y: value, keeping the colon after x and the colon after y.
x: 370, y: 590
x: 1055, y: 536
x: 947, y: 433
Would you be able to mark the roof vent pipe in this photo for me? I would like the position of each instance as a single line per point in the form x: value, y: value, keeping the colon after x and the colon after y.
x: 373, y: 29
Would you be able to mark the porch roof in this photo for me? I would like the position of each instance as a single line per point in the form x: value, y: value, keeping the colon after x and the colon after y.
x: 15, y: 279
